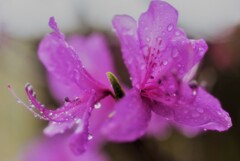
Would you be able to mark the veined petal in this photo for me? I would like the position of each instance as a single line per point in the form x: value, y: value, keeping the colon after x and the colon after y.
x: 129, y: 119
x: 81, y: 136
x: 94, y: 54
x: 196, y: 108
x: 71, y: 109
x: 165, y: 46
x: 126, y: 29
x: 63, y: 63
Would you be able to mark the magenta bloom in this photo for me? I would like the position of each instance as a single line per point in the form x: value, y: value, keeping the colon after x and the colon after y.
x: 160, y: 58
x: 70, y: 81
x: 56, y: 149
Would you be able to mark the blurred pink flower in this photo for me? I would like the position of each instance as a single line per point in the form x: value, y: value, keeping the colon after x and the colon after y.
x: 56, y: 149
x: 160, y: 59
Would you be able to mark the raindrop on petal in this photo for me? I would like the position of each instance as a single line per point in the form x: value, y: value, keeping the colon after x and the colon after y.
x: 97, y: 105
x: 170, y: 27
x: 90, y: 137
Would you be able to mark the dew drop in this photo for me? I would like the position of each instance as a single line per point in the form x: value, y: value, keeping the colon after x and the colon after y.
x: 32, y: 106
x: 18, y: 101
x: 177, y: 33
x: 148, y: 39
x: 159, y: 39
x: 175, y: 53
x: 165, y: 62
x: 97, y: 105
x: 170, y: 27
x: 50, y: 114
x: 194, y: 92
x: 219, y: 113
x: 200, y: 110
x: 90, y: 137
x: 77, y: 121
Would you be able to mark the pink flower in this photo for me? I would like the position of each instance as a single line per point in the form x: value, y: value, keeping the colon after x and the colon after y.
x: 56, y: 149
x: 68, y: 77
x: 160, y: 58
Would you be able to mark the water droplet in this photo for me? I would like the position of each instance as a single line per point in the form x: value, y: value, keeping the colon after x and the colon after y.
x: 177, y: 33
x: 35, y: 115
x: 200, y: 110
x: 50, y: 114
x: 148, y: 39
x: 175, y: 53
x: 163, y: 33
x: 204, y: 129
x: 170, y: 27
x: 194, y: 92
x: 219, y: 113
x: 97, y: 105
x: 165, y: 62
x: 130, y: 78
x: 77, y: 121
x: 162, y: 46
x: 146, y: 28
x: 159, y: 39
x: 90, y: 137
x: 19, y: 101
x: 32, y: 106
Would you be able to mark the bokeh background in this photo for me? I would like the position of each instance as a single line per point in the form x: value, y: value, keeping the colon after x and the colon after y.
x: 24, y: 22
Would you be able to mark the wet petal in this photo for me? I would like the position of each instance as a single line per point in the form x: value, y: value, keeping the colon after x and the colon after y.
x: 71, y: 109
x: 63, y: 63
x: 196, y: 108
x: 129, y: 119
x: 165, y: 46
x: 94, y: 54
x: 54, y: 128
x: 81, y: 136
x: 126, y: 30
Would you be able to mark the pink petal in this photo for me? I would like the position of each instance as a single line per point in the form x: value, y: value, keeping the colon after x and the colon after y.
x: 54, y: 128
x: 64, y: 65
x: 81, y: 136
x: 165, y: 46
x: 95, y: 56
x: 158, y: 126
x: 56, y: 149
x: 126, y: 29
x: 195, y: 108
x: 129, y: 119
